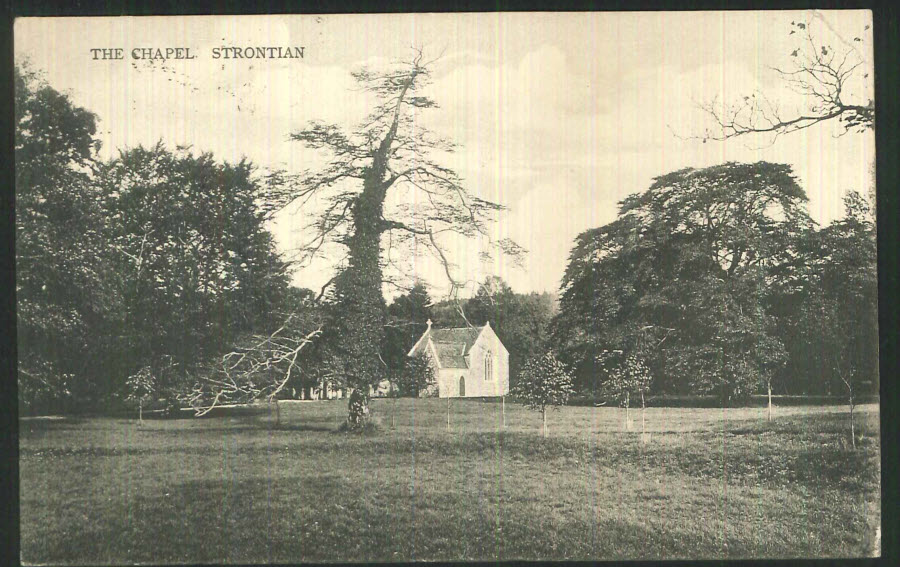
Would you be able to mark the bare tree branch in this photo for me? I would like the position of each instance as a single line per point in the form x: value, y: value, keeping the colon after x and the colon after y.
x: 817, y: 72
x: 260, y: 370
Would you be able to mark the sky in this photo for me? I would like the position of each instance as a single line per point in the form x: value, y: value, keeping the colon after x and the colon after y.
x: 557, y: 116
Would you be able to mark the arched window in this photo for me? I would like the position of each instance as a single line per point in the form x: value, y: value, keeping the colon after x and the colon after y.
x: 462, y: 387
x: 488, y: 367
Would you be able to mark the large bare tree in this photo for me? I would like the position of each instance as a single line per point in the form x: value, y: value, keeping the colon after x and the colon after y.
x: 390, y: 150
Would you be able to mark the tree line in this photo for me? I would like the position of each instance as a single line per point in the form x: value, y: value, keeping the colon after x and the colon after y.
x: 720, y: 283
x: 151, y: 276
x: 144, y: 264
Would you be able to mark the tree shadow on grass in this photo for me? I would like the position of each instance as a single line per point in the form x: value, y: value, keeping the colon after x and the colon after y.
x: 249, y: 519
x: 321, y: 428
x: 244, y: 426
x: 307, y: 517
x: 47, y: 424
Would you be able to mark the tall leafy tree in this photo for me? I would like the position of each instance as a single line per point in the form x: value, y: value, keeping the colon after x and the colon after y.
x: 686, y: 271
x: 195, y: 264
x: 843, y: 315
x: 833, y: 75
x: 60, y: 285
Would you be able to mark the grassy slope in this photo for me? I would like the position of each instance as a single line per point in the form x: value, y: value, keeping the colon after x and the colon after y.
x: 232, y: 489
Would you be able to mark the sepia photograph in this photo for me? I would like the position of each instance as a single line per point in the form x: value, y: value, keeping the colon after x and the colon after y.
x: 423, y: 287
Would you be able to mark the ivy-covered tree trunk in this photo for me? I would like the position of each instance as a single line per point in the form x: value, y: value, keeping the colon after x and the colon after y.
x: 360, y: 303
x: 360, y: 307
x: 358, y: 409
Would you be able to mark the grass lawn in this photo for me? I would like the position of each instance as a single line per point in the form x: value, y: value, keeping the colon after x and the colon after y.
x: 709, y: 484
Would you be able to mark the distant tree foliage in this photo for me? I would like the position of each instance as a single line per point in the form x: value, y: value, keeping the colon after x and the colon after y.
x: 415, y: 377
x: 544, y: 383
x: 521, y: 321
x: 448, y: 313
x: 407, y: 320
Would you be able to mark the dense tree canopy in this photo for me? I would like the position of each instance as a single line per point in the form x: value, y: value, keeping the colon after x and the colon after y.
x: 840, y: 319
x: 60, y: 258
x: 197, y: 265
x: 415, y: 378
x: 407, y: 318
x: 685, y: 277
x: 143, y: 266
x: 718, y: 279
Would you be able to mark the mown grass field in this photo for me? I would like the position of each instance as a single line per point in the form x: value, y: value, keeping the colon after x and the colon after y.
x: 709, y: 484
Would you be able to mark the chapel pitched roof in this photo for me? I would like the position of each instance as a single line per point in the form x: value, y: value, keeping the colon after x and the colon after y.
x: 452, y: 345
x: 450, y: 355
